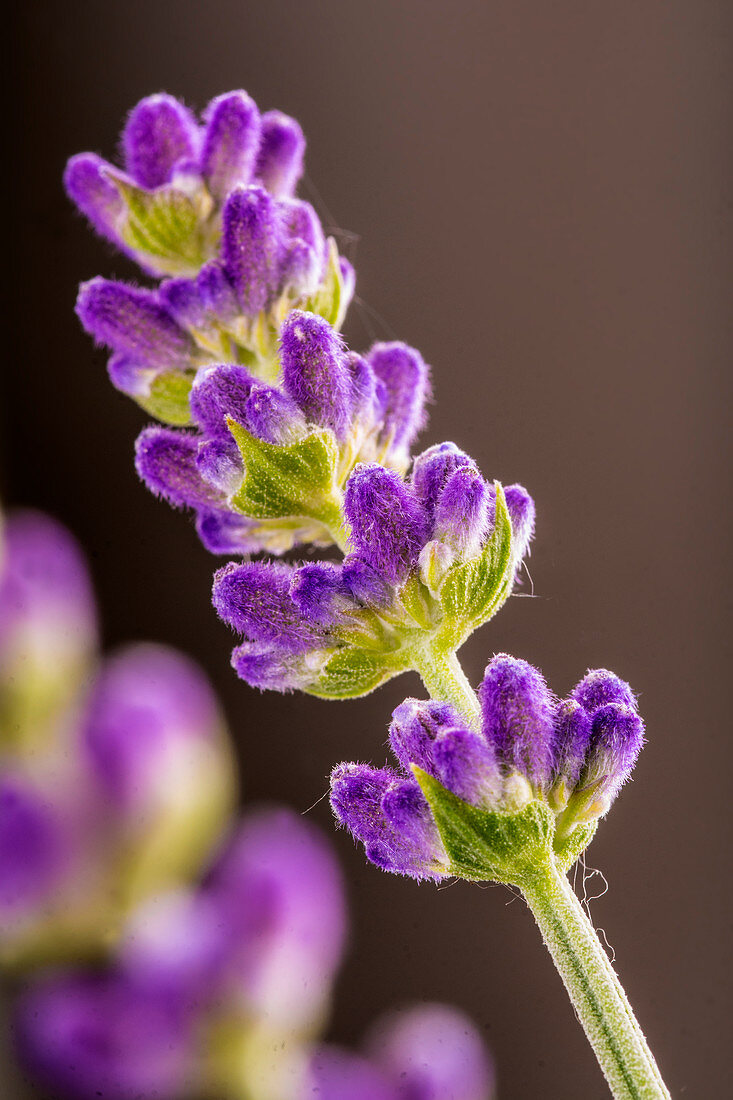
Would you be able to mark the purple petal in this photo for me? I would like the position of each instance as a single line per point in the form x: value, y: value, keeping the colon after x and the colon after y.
x: 31, y: 846
x: 231, y: 142
x: 434, y: 1052
x: 315, y: 374
x: 217, y: 393
x: 364, y: 582
x: 151, y: 709
x: 388, y: 523
x: 268, y: 668
x: 165, y: 459
x: 464, y: 512
x: 254, y: 598
x: 129, y: 376
x: 94, y: 194
x: 220, y: 464
x: 572, y: 739
x: 466, y: 765
x: 252, y: 248
x: 407, y: 384
x: 416, y: 724
x: 518, y: 717
x: 226, y: 533
x: 182, y: 299
x: 216, y: 291
x: 133, y: 322
x: 599, y: 686
x: 616, y: 741
x: 159, y: 132
x: 280, y: 161
x: 273, y: 416
x: 320, y: 593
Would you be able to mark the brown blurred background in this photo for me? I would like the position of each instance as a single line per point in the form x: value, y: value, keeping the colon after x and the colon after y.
x: 540, y: 200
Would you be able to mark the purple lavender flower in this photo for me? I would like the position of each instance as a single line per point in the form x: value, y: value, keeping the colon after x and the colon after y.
x: 530, y: 748
x: 176, y: 167
x: 388, y: 523
x: 335, y: 1073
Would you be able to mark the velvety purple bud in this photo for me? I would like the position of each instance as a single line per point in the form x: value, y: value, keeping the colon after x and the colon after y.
x: 269, y: 669
x: 217, y: 393
x: 464, y: 511
x: 616, y: 741
x: 217, y: 293
x: 94, y: 194
x: 165, y: 460
x: 364, y: 582
x: 280, y: 160
x: 30, y: 846
x: 467, y: 766
x: 315, y: 374
x: 273, y: 416
x: 133, y: 322
x: 150, y: 710
x: 434, y: 467
x: 572, y: 738
x: 159, y: 132
x: 406, y: 379
x: 364, y: 387
x: 300, y: 220
x: 301, y: 269
x: 517, y: 711
x: 254, y: 598
x: 599, y: 686
x: 252, y: 248
x: 129, y: 376
x: 416, y: 724
x: 306, y: 255
x: 182, y: 299
x: 522, y: 514
x: 220, y: 463
x: 405, y: 807
x: 320, y: 592
x: 231, y: 142
x: 434, y: 1052
x: 226, y: 533
x: 388, y: 523
x: 334, y: 1074
x: 86, y: 1036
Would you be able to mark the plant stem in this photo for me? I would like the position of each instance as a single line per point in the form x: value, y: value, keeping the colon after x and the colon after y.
x: 444, y: 679
x: 593, y: 987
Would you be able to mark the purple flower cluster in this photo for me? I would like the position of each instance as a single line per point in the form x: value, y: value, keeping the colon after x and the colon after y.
x: 574, y: 755
x: 251, y: 952
x: 266, y: 465
x: 88, y: 819
x: 189, y: 170
x: 342, y: 629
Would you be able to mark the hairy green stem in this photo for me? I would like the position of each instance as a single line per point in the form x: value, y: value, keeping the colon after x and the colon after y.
x: 444, y: 679
x: 593, y: 987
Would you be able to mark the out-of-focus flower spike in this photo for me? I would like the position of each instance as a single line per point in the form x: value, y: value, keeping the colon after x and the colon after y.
x: 231, y: 142
x: 433, y: 1051
x: 517, y: 718
x: 315, y: 374
x: 280, y: 160
x: 388, y: 523
x: 133, y: 322
x: 406, y: 378
x: 252, y: 247
x: 31, y: 847
x: 158, y: 134
x: 88, y: 186
x: 166, y: 461
x: 334, y: 1073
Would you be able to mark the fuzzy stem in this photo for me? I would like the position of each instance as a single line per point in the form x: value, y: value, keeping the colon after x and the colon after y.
x: 593, y: 987
x: 444, y: 679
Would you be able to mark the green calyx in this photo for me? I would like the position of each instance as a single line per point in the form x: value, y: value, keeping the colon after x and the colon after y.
x: 500, y: 846
x: 174, y: 228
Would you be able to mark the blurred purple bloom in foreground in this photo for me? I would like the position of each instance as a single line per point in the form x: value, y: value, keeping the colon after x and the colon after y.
x: 573, y: 755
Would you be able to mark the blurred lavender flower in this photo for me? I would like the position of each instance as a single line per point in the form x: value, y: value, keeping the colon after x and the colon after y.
x: 428, y: 1052
x: 430, y: 561
x: 267, y: 466
x: 208, y: 982
x: 571, y: 757
x: 111, y: 784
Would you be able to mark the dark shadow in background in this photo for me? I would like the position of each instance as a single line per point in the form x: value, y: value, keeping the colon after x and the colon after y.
x: 540, y: 200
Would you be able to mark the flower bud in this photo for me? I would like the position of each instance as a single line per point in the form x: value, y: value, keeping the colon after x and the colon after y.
x: 463, y: 512
x: 231, y: 142
x: 406, y: 380
x: 134, y: 323
x: 159, y: 133
x: 252, y: 249
x: 388, y: 523
x: 517, y: 717
x: 282, y: 147
x: 315, y: 373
